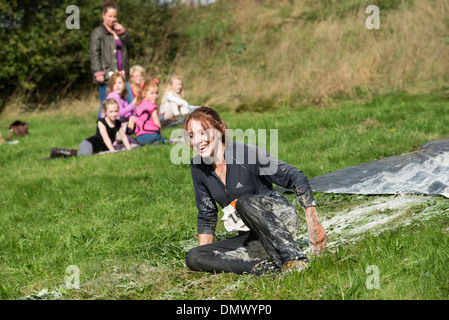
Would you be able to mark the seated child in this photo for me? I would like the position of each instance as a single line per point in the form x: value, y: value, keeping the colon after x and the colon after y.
x: 137, y: 74
x: 117, y: 90
x: 173, y: 105
x: 146, y: 119
x: 107, y: 129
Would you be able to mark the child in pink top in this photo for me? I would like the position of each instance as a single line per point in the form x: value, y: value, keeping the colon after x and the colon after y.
x: 146, y: 119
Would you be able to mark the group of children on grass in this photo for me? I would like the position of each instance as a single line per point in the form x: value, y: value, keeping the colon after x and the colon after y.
x: 120, y: 118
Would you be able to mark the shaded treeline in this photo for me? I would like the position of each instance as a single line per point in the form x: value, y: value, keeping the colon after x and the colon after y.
x: 45, y: 59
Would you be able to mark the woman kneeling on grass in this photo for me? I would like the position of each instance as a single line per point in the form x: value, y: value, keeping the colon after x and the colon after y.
x: 225, y: 171
x: 107, y: 129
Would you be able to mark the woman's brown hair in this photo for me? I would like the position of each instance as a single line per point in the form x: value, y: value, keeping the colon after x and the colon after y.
x: 108, y: 4
x: 209, y: 118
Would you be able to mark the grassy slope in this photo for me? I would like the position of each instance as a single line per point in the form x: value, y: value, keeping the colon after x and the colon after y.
x: 125, y: 220
x: 263, y: 54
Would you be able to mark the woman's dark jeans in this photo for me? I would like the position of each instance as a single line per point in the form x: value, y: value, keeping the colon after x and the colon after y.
x: 273, y: 224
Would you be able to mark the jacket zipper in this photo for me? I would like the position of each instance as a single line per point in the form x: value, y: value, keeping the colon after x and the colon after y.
x: 224, y: 185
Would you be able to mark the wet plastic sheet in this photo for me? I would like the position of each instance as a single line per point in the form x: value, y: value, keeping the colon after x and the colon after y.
x: 425, y: 171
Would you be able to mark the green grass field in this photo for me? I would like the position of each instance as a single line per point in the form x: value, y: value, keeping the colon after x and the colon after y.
x: 125, y: 220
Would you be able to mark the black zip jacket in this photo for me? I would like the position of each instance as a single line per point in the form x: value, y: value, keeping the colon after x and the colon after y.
x: 249, y: 170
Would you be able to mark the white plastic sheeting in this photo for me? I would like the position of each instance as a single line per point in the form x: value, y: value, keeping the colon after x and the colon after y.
x: 425, y: 171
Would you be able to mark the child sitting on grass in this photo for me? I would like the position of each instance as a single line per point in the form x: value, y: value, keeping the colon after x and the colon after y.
x: 117, y: 90
x: 173, y: 105
x: 146, y: 119
x: 137, y: 74
x: 104, y: 138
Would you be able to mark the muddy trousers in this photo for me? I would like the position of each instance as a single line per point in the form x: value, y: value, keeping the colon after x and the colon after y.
x: 273, y: 223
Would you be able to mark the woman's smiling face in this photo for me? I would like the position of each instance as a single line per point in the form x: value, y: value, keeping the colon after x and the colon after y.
x: 204, y: 138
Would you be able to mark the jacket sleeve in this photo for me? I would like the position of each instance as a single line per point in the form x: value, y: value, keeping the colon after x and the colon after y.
x: 95, y: 52
x: 285, y: 175
x: 207, y: 208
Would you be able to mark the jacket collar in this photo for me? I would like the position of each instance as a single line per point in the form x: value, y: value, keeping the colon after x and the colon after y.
x: 106, y: 31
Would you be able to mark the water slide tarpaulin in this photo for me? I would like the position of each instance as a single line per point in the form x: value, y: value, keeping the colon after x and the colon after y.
x: 424, y: 171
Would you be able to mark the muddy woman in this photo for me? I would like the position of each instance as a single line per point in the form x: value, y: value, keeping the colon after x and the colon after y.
x: 226, y: 172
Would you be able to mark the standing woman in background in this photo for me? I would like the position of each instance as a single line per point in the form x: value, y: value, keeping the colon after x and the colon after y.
x: 109, y: 45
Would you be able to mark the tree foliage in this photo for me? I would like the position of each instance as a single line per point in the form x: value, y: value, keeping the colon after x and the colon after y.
x: 43, y: 60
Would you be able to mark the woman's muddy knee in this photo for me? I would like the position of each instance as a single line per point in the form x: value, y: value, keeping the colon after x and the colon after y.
x: 246, y: 202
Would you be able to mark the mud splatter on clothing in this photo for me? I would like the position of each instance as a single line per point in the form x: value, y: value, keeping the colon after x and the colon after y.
x: 246, y: 173
x: 273, y: 222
